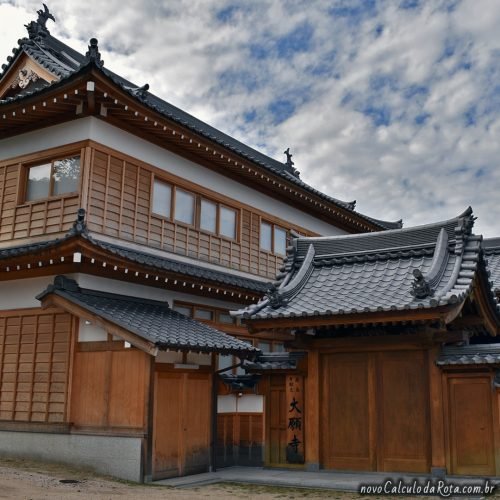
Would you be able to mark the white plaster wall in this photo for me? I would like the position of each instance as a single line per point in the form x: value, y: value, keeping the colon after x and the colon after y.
x: 19, y: 294
x: 226, y: 403
x: 91, y: 332
x: 248, y: 403
x: 104, y: 133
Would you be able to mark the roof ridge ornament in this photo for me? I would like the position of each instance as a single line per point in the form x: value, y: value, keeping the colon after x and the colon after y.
x: 38, y: 29
x: 420, y: 287
x: 93, y: 55
x: 290, y: 164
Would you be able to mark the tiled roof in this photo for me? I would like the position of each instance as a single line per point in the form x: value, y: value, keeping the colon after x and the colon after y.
x: 183, y: 268
x: 407, y: 269
x: 492, y: 252
x: 473, y: 354
x: 151, y: 320
x: 143, y: 258
x: 65, y: 62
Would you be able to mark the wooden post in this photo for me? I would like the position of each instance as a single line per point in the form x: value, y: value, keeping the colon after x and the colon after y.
x: 438, y: 449
x: 149, y: 413
x: 312, y: 411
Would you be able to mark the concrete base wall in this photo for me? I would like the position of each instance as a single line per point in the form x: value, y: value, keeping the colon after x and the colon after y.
x: 116, y: 456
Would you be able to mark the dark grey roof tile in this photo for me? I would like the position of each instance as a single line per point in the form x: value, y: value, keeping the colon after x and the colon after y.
x: 151, y: 320
x: 380, y: 278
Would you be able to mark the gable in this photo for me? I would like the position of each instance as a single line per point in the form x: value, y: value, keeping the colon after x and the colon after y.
x: 23, y: 76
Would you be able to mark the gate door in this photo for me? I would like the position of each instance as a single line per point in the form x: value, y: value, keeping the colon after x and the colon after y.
x: 181, y: 432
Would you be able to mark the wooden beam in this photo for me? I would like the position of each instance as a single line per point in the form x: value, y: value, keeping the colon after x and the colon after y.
x: 423, y: 315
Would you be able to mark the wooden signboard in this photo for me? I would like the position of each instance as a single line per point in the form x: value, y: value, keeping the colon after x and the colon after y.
x: 295, y: 419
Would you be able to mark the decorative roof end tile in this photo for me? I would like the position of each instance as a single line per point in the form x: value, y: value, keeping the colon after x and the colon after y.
x: 93, y: 54
x: 79, y: 226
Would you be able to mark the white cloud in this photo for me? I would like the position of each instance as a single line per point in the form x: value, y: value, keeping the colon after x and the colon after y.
x: 416, y: 73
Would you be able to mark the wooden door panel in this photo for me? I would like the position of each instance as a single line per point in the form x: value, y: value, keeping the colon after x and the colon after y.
x: 346, y: 422
x: 167, y: 422
x: 403, y: 397
x: 181, y: 424
x: 195, y: 425
x: 471, y: 425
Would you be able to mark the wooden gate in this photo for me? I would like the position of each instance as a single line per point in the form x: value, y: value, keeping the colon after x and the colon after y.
x: 470, y: 419
x: 375, y: 411
x: 181, y: 432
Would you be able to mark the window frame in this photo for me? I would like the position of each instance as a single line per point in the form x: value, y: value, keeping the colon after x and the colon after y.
x: 198, y: 198
x: 23, y: 193
x: 273, y: 238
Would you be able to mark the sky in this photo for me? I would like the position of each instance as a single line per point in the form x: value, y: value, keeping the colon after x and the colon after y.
x: 393, y: 103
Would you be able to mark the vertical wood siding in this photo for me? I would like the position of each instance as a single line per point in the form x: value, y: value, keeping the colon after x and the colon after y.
x: 34, y: 366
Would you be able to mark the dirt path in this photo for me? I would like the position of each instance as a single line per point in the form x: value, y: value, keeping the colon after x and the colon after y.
x: 23, y: 480
x: 29, y: 480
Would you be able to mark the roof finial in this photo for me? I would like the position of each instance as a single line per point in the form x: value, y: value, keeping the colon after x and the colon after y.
x: 38, y: 28
x: 289, y: 163
x: 93, y: 54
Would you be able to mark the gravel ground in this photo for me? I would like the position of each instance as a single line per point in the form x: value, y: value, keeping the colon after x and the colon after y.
x: 23, y: 480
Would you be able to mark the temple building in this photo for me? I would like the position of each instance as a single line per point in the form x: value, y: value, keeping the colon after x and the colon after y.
x: 172, y: 300
x: 128, y: 231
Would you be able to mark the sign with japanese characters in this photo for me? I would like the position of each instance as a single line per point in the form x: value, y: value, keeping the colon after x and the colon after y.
x: 295, y: 419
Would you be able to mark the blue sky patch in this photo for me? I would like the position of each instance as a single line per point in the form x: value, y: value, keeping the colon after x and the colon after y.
x: 409, y: 4
x: 380, y: 115
x: 297, y: 40
x: 354, y: 12
x: 281, y: 109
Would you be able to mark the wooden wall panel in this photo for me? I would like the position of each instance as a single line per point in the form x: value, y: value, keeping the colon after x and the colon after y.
x: 34, y: 365
x: 119, y: 205
x: 110, y: 389
x: 127, y: 392
x: 240, y: 439
x: 89, y: 394
x: 470, y: 418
